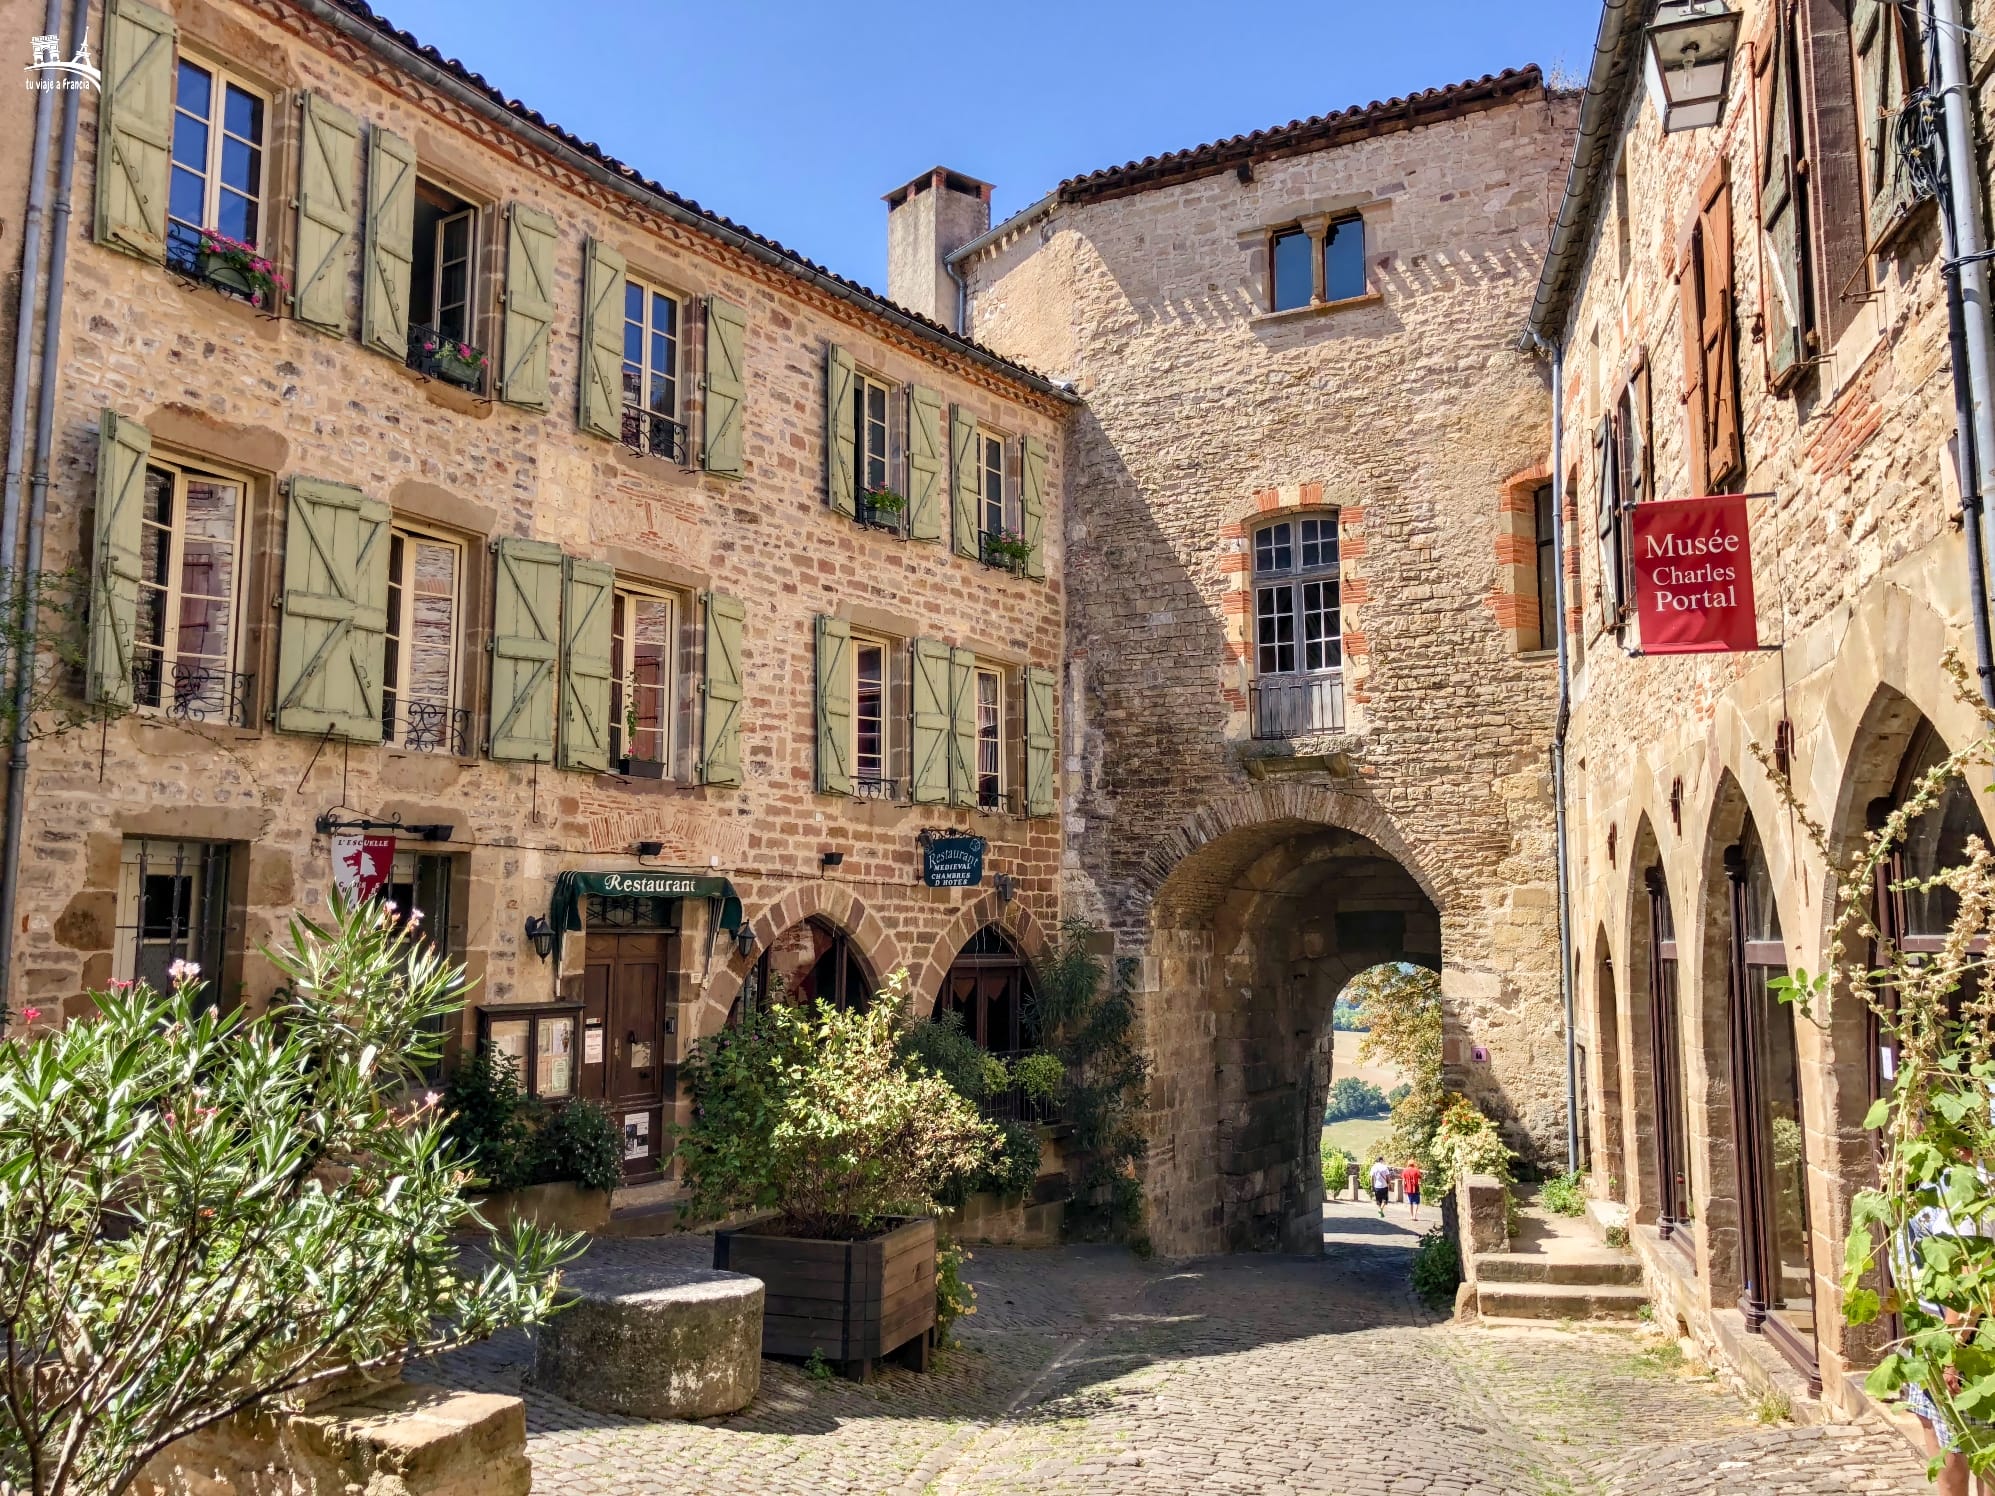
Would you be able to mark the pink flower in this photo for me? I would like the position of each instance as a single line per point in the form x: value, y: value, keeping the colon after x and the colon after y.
x: 29, y: 1015
x: 183, y: 971
x: 121, y: 984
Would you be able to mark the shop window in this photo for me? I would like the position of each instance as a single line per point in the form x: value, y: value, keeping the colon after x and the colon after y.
x: 810, y: 962
x: 1670, y: 1074
x: 172, y: 907
x: 540, y: 1041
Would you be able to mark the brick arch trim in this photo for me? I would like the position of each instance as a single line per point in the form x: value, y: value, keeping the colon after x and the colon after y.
x: 835, y: 903
x: 1236, y: 560
x: 986, y: 909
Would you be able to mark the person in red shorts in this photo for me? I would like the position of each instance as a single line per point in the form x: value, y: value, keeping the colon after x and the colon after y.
x: 1409, y: 1182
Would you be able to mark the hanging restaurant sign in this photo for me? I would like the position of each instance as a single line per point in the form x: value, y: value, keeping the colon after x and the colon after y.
x: 564, y: 910
x: 1694, y: 575
x: 952, y: 861
x: 361, y: 862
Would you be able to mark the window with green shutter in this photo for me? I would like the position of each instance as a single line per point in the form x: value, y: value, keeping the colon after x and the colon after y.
x: 929, y: 723
x: 965, y: 483
x: 1041, y: 743
x: 135, y: 128
x: 1032, y: 503
x: 388, y: 243
x: 586, y: 605
x: 721, y: 691
x: 601, y: 384
x: 834, y: 706
x: 526, y: 620
x: 725, y: 387
x: 332, y: 640
x: 529, y: 307
x: 924, y: 464
x: 328, y: 147
x: 962, y: 727
x: 841, y: 432
x: 123, y: 446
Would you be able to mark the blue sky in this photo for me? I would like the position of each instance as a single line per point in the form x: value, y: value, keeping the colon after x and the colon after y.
x: 794, y: 118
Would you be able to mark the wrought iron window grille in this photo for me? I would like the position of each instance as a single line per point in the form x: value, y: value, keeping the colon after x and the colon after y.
x: 869, y: 788
x: 656, y: 435
x: 425, y: 727
x: 193, y: 693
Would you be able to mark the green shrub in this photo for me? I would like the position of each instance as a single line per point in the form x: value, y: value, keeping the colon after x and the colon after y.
x: 1336, y: 1169
x: 1351, y: 1097
x: 1437, y: 1268
x: 954, y: 1297
x: 1087, y: 1013
x: 514, y: 1141
x: 1467, y: 1142
x: 1039, y: 1075
x: 942, y: 1044
x: 581, y: 1142
x: 1565, y: 1194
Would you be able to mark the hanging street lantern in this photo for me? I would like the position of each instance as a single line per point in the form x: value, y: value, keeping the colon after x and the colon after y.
x: 1690, y: 61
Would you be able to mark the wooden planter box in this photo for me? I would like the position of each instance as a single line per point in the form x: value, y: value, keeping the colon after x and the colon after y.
x: 851, y: 1302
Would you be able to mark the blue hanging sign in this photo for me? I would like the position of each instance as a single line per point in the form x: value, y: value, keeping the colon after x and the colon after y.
x: 952, y: 861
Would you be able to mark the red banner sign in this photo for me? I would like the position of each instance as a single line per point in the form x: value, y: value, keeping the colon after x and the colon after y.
x: 361, y: 864
x: 1694, y: 575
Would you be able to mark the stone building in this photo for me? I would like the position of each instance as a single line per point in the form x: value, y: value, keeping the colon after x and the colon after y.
x: 1732, y: 322
x: 1307, y: 699
x: 629, y: 571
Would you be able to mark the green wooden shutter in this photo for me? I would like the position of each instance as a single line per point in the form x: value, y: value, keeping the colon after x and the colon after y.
x: 965, y: 475
x: 834, y: 706
x: 724, y: 386
x: 962, y: 727
x: 135, y: 128
x: 841, y: 431
x: 929, y: 738
x: 1782, y: 216
x: 526, y: 604
x: 1607, y: 522
x: 1879, y: 39
x: 388, y: 243
x: 601, y: 385
x: 1032, y: 502
x: 328, y: 144
x: 720, y: 690
x: 529, y: 307
x: 586, y: 588
x: 924, y: 464
x: 123, y: 446
x: 330, y: 649
x: 1041, y: 744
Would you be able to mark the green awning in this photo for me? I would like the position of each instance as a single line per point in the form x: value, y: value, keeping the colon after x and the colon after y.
x: 564, y: 910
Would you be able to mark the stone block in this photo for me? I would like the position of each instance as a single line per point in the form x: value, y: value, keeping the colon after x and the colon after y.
x: 655, y: 1342
x: 1484, y: 1212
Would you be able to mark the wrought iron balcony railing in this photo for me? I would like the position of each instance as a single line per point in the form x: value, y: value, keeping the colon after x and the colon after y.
x: 426, y: 727
x: 866, y: 787
x: 452, y: 360
x: 193, y: 693
x: 648, y: 431
x: 1013, y: 1104
x: 1295, y: 706
x: 889, y: 516
x: 1005, y: 552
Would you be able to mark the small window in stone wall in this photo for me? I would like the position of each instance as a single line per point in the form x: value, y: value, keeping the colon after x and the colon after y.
x: 172, y: 907
x: 1344, y: 260
x: 1547, y: 557
x: 1294, y: 281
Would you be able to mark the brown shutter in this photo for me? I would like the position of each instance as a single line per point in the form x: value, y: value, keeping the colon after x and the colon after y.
x: 1784, y: 288
x: 1721, y: 365
x: 1690, y: 323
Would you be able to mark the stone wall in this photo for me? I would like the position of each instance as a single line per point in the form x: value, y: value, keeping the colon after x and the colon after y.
x: 1412, y: 413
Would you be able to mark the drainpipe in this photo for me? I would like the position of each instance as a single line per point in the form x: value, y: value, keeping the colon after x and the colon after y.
x: 24, y: 340
x: 1560, y: 724
x: 1966, y: 270
x: 962, y: 296
x: 45, y: 394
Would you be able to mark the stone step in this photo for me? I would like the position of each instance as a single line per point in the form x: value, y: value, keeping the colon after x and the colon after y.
x: 655, y: 1218
x: 1559, y: 1301
x: 1574, y: 1269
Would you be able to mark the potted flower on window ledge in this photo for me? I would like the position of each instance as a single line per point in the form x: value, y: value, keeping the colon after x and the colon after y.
x: 1007, y: 549
x: 231, y: 266
x: 883, y: 508
x: 817, y: 1118
x: 454, y: 362
x: 628, y: 764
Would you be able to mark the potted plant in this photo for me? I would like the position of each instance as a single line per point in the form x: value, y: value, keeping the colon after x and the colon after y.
x: 1007, y: 549
x: 628, y: 764
x: 451, y: 360
x: 817, y: 1118
x: 232, y: 266
x: 554, y: 1166
x: 882, y: 507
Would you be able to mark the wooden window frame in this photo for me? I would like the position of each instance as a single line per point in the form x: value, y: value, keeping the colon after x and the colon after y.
x: 882, y: 785
x: 1708, y: 324
x: 178, y: 695
x: 623, y: 592
x: 1675, y: 1214
x: 1545, y: 561
x: 639, y: 416
x: 991, y: 783
x: 221, y: 78
x: 534, y: 1015
x: 451, y: 733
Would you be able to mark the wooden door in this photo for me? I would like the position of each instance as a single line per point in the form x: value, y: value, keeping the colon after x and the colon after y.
x: 625, y: 1062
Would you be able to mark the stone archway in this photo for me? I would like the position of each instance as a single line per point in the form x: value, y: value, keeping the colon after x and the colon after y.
x: 1251, y: 937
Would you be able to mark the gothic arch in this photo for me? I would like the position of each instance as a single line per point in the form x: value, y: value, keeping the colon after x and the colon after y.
x: 836, y: 904
x: 925, y: 980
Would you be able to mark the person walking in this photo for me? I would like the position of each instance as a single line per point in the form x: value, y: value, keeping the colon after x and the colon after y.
x: 1409, y: 1186
x: 1381, y: 1184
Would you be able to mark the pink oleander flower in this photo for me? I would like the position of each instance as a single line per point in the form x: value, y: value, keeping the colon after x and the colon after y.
x: 184, y: 971
x: 121, y: 984
x: 29, y: 1015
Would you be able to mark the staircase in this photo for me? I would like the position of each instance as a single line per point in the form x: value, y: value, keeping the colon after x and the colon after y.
x: 1556, y: 1269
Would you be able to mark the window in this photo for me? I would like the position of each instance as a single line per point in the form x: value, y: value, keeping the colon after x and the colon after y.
x: 184, y: 643
x: 1544, y: 534
x: 1298, y: 634
x: 643, y: 629
x: 990, y: 466
x: 419, y: 707
x: 1711, y: 370
x: 1623, y: 237
x: 172, y: 905
x: 990, y: 739
x: 1669, y: 1073
x: 1625, y: 471
x: 443, y: 278
x: 1294, y: 281
x: 1344, y: 260
x: 652, y: 372
x: 540, y: 1043
x: 990, y: 990
x: 419, y: 887
x: 871, y: 748
x: 810, y: 962
x: 874, y: 452
x: 217, y: 162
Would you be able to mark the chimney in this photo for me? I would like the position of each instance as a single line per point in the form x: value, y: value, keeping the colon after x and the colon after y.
x: 938, y: 212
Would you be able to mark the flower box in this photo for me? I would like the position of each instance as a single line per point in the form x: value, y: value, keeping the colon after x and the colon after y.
x: 849, y: 1302
x: 1006, y: 550
x: 236, y: 269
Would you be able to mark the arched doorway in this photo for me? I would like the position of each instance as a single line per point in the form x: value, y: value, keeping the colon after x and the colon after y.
x: 1668, y: 1201
x: 1606, y: 1068
x: 1777, y: 1279
x: 811, y: 961
x: 989, y: 987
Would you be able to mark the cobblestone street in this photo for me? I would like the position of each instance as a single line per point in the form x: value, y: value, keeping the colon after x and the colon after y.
x: 1086, y: 1370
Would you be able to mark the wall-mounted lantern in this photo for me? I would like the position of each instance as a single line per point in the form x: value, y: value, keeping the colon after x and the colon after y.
x: 1690, y: 61
x: 540, y: 934
x: 744, y: 940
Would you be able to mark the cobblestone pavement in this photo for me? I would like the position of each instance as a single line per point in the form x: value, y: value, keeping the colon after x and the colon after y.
x: 1086, y: 1370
